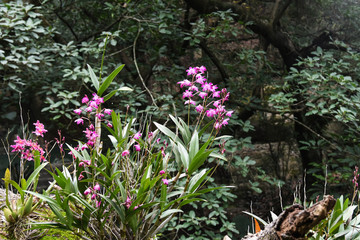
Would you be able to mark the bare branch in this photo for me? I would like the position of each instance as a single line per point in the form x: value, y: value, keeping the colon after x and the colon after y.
x: 215, y: 60
x: 102, y: 30
x: 137, y: 68
x: 68, y: 25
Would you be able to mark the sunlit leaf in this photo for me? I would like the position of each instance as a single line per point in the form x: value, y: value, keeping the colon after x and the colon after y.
x: 35, y: 174
x: 169, y: 212
x: 93, y: 78
x: 197, y: 179
x: 194, y: 145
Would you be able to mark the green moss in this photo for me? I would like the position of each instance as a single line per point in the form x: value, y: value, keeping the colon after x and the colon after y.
x: 59, y: 234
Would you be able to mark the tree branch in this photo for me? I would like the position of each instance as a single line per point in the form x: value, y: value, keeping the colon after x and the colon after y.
x: 215, y: 60
x: 324, y: 41
x: 275, y: 36
x: 275, y: 10
x: 68, y: 25
x: 137, y: 68
x: 279, y: 11
x: 102, y: 30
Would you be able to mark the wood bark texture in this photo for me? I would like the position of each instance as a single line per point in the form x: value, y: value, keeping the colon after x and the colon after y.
x: 295, y: 222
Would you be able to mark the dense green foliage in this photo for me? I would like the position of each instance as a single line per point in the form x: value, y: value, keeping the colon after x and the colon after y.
x: 330, y: 92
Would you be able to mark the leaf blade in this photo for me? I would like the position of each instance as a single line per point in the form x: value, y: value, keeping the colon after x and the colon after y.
x: 93, y: 78
x: 109, y: 79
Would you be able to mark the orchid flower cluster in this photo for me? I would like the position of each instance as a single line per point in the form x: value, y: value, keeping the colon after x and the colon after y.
x: 91, y: 107
x: 27, y: 147
x: 94, y: 193
x: 210, y: 95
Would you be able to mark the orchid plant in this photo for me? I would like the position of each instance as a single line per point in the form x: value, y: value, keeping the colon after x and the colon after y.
x: 133, y: 189
x: 17, y: 210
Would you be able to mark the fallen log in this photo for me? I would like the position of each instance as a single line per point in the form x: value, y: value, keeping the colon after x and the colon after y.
x: 295, y: 222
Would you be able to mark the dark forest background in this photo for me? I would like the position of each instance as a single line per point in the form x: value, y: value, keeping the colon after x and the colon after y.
x: 292, y: 67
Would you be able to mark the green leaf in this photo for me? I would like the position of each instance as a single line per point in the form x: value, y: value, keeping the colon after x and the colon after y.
x: 184, y: 129
x: 23, y: 184
x: 108, y: 80
x: 21, y: 191
x: 169, y: 212
x: 226, y: 137
x: 115, y: 119
x: 150, y: 215
x: 184, y: 155
x: 122, y: 190
x: 113, y: 140
x: 133, y: 222
x: 348, y: 212
x: 93, y: 78
x: 336, y: 225
x: 109, y: 95
x: 218, y: 155
x: 109, y: 129
x: 76, y: 153
x: 69, y: 214
x: 197, y: 180
x: 127, y: 129
x: 185, y: 197
x: 48, y: 225
x: 186, y: 132
x: 163, y: 195
x: 145, y: 181
x: 60, y: 180
x: 185, y: 202
x: 85, y: 218
x: 36, y: 159
x: 53, y: 204
x: 206, y: 190
x: 176, y: 152
x: 194, y: 145
x: 100, y: 171
x: 166, y: 131
x: 336, y: 213
x: 83, y: 202
x: 117, y: 206
x: 200, y: 157
x: 198, y: 161
x: 34, y: 175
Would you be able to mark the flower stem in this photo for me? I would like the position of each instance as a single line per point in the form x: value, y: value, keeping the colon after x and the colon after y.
x: 98, y: 131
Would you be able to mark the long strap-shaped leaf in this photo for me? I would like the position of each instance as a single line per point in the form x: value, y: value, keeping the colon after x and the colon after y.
x: 168, y: 133
x: 93, y: 78
x: 108, y: 80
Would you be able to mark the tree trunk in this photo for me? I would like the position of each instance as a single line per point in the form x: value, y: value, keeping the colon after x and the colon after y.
x: 314, y: 125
